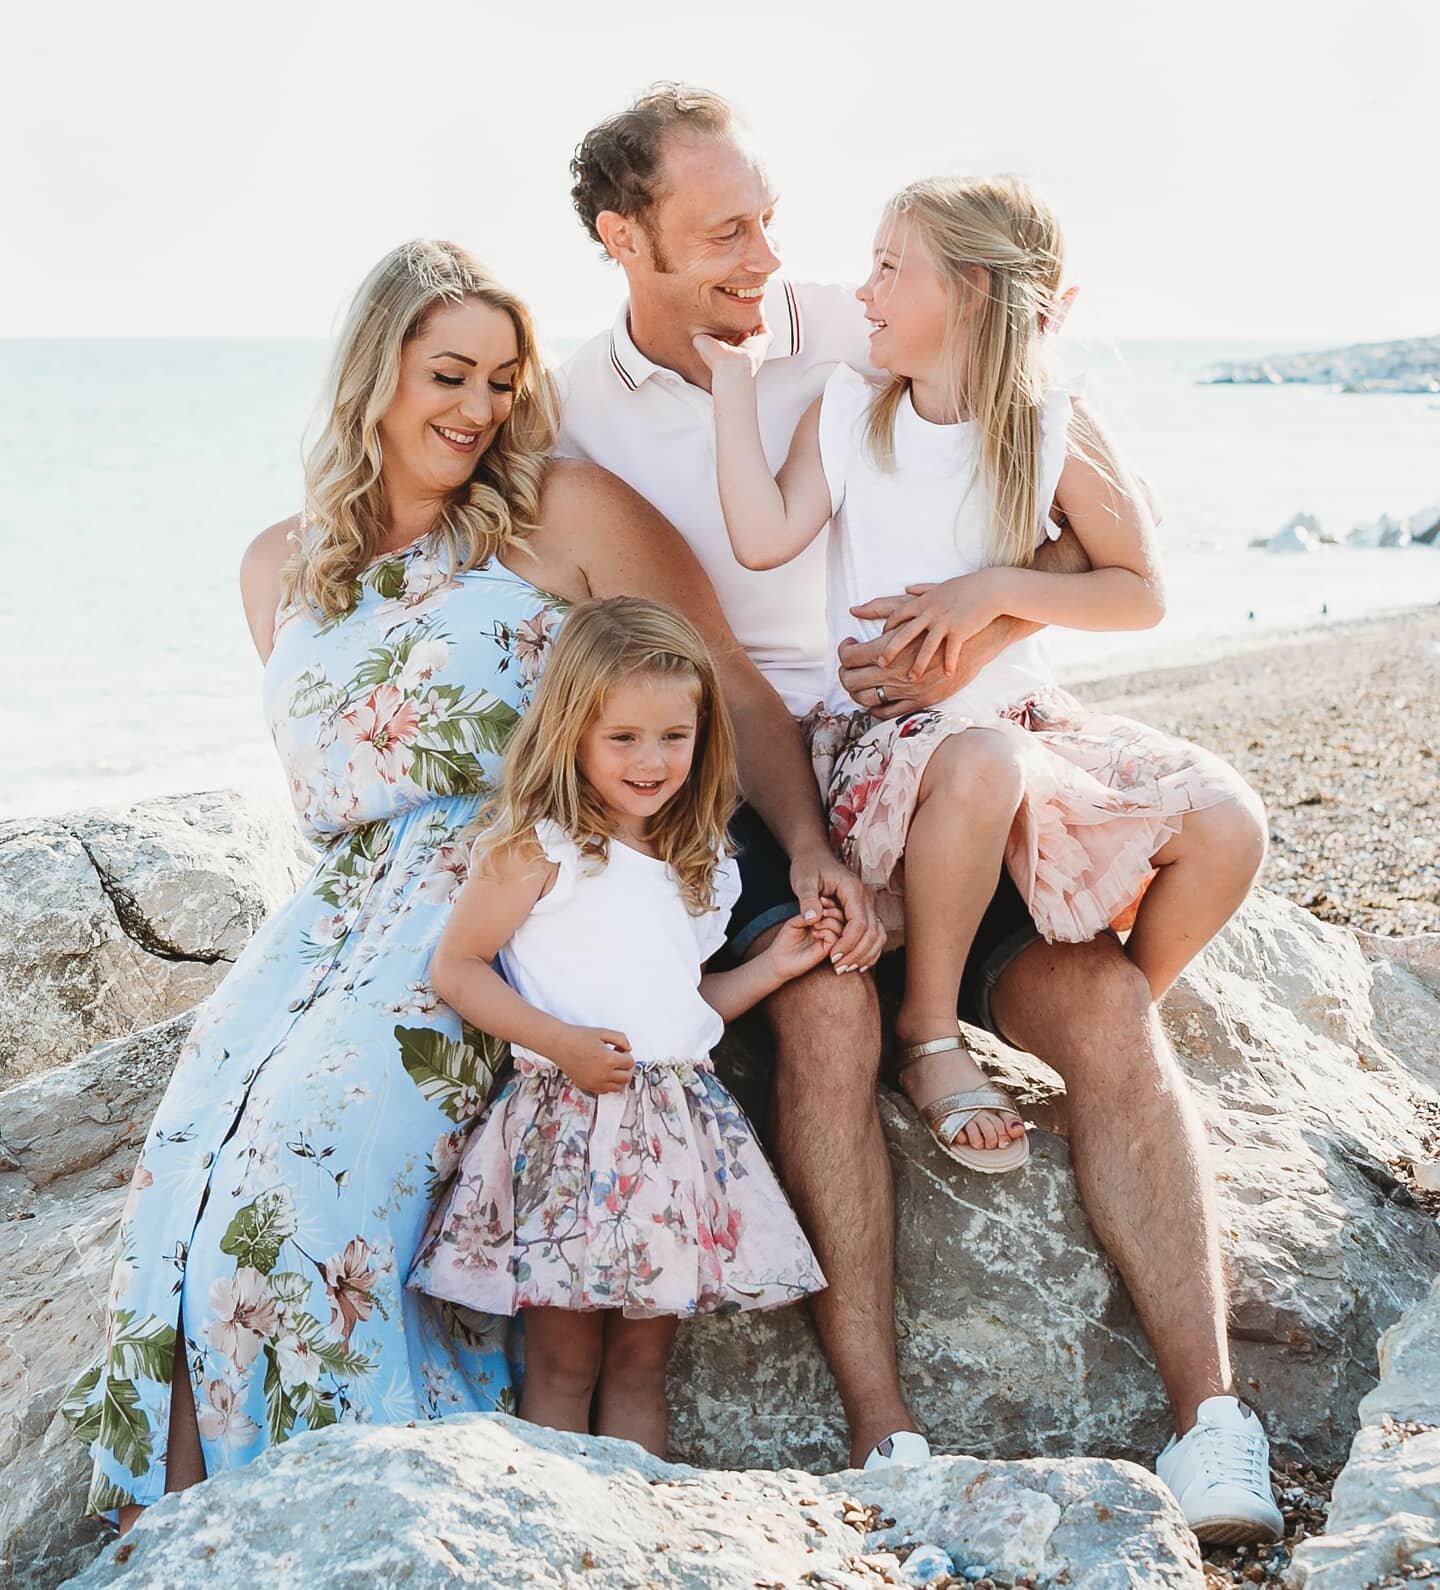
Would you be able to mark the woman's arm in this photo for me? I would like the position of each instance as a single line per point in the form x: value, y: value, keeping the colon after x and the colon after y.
x: 621, y: 545
x: 493, y: 903
x: 260, y: 577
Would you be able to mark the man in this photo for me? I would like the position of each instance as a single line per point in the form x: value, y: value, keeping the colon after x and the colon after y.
x: 672, y: 193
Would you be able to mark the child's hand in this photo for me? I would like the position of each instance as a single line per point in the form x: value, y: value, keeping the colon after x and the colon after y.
x: 742, y: 358
x: 799, y: 945
x: 595, y: 1059
x: 945, y: 615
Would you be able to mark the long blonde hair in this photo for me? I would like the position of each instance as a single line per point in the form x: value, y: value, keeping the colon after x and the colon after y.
x: 992, y: 348
x: 344, y: 498
x: 603, y: 644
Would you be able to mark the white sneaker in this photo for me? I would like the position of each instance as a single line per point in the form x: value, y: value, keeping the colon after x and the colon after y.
x: 899, y: 1450
x: 1220, y: 1475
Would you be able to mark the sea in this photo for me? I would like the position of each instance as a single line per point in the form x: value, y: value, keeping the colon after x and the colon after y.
x: 133, y: 474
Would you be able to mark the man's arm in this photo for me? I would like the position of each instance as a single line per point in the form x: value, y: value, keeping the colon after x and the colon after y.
x: 626, y: 548
x: 861, y: 672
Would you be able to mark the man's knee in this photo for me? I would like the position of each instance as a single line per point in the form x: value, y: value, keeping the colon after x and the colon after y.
x: 1079, y: 1006
x: 827, y: 1029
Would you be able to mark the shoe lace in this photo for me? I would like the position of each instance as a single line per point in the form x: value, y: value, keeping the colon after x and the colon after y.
x: 1230, y: 1457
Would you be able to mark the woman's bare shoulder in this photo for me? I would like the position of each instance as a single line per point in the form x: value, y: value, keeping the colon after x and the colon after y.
x: 574, y: 485
x: 261, y: 570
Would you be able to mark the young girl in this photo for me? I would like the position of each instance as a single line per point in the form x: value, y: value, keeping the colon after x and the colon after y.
x: 614, y: 1186
x: 943, y: 482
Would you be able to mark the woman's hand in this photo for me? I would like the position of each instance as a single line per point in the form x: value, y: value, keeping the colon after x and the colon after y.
x: 799, y: 944
x: 815, y: 877
x: 942, y: 616
x: 594, y: 1058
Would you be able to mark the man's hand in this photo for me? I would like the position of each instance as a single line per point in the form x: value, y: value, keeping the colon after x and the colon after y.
x: 816, y: 875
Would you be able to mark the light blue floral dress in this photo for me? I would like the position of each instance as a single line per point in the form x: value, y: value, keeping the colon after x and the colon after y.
x: 324, y: 1092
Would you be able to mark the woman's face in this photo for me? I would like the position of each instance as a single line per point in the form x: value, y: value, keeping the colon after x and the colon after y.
x: 905, y: 301
x: 457, y: 386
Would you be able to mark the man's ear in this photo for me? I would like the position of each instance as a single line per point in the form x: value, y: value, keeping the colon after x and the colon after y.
x: 621, y: 236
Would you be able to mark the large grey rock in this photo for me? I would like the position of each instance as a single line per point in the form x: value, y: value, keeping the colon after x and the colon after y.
x: 109, y: 922
x: 485, y: 1500
x: 1016, y: 1335
x: 1385, y: 1508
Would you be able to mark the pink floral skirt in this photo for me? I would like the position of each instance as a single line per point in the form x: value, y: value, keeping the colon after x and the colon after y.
x: 656, y: 1200
x: 1102, y: 795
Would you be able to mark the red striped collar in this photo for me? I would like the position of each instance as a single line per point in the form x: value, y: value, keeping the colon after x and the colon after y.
x: 782, y: 315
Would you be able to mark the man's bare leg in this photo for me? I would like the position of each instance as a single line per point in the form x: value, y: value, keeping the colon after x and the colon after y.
x: 1141, y: 1160
x: 832, y: 1159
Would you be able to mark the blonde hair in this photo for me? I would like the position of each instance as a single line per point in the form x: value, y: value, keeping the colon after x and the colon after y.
x: 603, y: 644
x: 992, y: 348
x: 344, y: 497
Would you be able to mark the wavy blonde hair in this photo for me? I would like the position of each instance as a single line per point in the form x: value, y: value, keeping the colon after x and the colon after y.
x: 603, y: 644
x: 993, y: 354
x: 344, y: 496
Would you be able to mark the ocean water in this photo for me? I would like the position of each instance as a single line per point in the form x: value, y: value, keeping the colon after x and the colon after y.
x: 133, y: 474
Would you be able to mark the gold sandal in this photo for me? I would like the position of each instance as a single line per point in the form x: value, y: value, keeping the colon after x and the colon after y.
x: 947, y: 1117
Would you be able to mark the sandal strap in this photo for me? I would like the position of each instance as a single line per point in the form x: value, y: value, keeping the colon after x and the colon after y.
x: 963, y: 1108
x: 911, y: 1052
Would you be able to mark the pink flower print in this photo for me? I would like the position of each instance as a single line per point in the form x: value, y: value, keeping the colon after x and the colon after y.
x: 532, y: 635
x: 378, y: 734
x: 426, y: 659
x: 445, y: 1155
x: 244, y: 1313
x: 448, y: 871
x: 297, y: 1361
x: 220, y: 1419
x: 350, y: 1284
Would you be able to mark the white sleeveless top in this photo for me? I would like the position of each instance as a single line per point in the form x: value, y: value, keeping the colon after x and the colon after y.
x: 927, y: 520
x: 614, y: 945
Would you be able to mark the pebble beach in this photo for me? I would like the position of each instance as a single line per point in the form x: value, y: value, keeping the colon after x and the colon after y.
x: 1339, y: 731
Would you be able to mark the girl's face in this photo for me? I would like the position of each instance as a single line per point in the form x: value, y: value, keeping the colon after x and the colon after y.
x: 905, y: 301
x: 636, y: 753
x: 456, y: 389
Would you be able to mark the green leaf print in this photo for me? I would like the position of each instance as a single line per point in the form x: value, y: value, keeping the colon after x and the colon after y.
x: 316, y: 1408
x: 124, y: 1429
x: 255, y: 1235
x: 81, y: 1410
x: 313, y: 693
x: 445, y: 772
x: 106, y: 1497
x: 147, y: 1349
x: 493, y: 1052
x: 387, y: 579
x: 339, y: 1359
x: 379, y: 663
x: 279, y: 1410
x: 449, y: 1074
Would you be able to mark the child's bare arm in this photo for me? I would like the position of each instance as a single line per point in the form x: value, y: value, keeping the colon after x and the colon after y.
x: 495, y: 900
x: 770, y: 518
x: 796, y: 948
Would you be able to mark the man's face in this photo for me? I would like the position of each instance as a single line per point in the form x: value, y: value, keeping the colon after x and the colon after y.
x: 710, y: 252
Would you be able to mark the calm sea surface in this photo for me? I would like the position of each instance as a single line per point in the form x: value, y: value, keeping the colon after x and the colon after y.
x: 132, y: 475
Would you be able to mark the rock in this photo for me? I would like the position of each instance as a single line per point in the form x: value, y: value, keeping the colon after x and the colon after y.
x: 1424, y: 526
x: 482, y: 1499
x: 1295, y: 537
x: 60, y: 1198
x: 112, y: 922
x: 1409, y: 365
x: 1382, y: 532
x: 1385, y: 1506
x: 1015, y: 1333
x: 926, y: 1564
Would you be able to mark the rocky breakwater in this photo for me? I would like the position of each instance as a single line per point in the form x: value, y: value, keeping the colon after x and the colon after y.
x: 1411, y: 364
x: 1314, y: 1063
x: 111, y: 921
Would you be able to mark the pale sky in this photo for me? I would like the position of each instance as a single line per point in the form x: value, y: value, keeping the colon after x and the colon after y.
x: 1243, y: 168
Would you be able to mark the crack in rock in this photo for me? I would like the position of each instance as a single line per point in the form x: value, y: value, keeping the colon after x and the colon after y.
x: 136, y: 926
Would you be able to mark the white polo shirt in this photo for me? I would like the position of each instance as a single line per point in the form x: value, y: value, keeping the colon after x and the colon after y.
x: 656, y: 431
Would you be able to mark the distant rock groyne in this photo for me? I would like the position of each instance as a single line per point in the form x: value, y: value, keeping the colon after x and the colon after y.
x: 1411, y: 365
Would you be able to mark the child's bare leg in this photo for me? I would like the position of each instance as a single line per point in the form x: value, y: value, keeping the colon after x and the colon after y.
x: 631, y: 1403
x: 1205, y: 872
x: 562, y: 1363
x: 968, y: 799
x: 184, y: 1457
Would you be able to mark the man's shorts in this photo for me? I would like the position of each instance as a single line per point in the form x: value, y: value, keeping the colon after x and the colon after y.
x: 766, y: 900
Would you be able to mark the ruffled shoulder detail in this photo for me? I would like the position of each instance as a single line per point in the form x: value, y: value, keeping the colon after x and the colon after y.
x: 1055, y: 414
x: 843, y: 405
x: 560, y: 848
x: 712, y: 927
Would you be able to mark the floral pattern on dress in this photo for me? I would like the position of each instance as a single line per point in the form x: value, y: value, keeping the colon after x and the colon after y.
x: 656, y: 1200
x: 1103, y: 793
x: 322, y: 1097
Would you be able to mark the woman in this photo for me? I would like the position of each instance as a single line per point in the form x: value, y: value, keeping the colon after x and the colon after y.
x: 324, y: 1092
